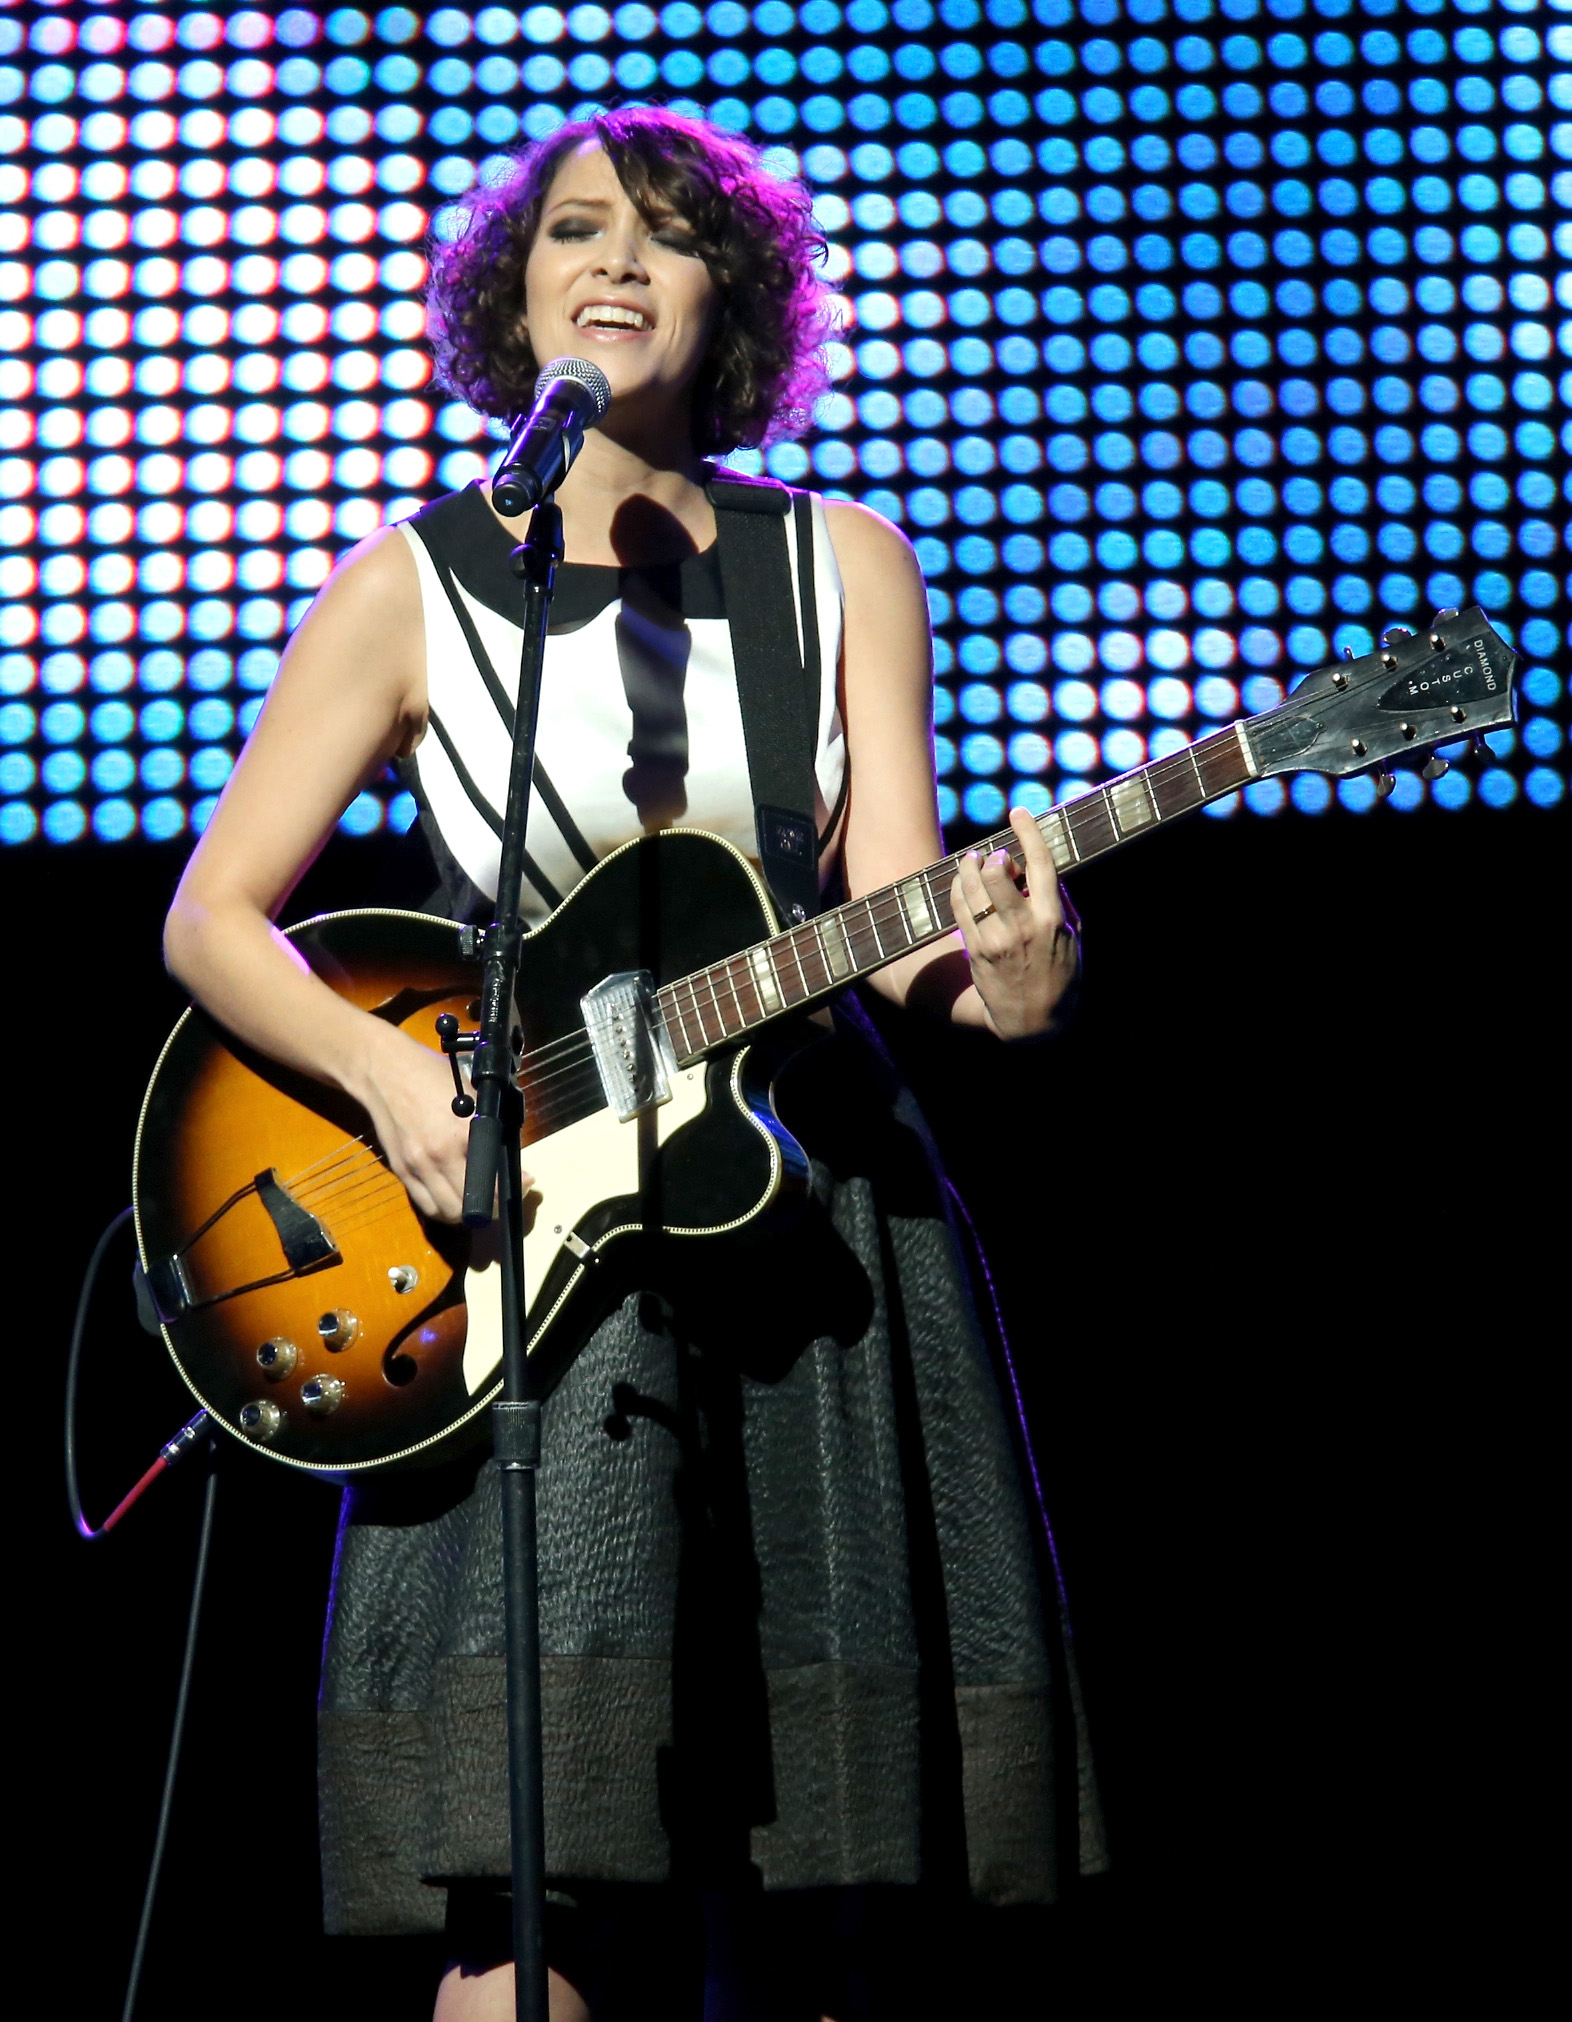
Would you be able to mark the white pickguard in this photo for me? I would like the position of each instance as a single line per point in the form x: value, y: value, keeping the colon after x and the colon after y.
x: 574, y: 1171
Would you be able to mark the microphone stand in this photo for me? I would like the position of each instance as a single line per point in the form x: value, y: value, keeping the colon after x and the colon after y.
x: 493, y: 1172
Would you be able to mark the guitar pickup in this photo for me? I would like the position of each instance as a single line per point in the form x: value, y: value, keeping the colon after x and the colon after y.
x: 173, y: 1282
x: 633, y: 1052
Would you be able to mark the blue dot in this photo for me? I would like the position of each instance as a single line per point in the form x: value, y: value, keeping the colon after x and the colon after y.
x: 64, y: 821
x: 363, y: 815
x: 1311, y: 793
x: 1358, y: 794
x: 162, y: 819
x: 114, y: 820
x: 1453, y: 790
x: 984, y: 804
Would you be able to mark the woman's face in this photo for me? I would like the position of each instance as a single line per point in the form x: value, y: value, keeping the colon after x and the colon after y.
x: 602, y: 283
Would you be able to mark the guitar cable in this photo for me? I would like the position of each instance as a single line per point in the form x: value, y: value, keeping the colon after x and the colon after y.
x: 169, y: 1456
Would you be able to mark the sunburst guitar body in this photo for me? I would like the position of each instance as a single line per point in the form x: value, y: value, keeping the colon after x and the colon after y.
x: 308, y: 1305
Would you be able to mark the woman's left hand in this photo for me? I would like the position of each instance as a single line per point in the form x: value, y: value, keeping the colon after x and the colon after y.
x: 1021, y: 939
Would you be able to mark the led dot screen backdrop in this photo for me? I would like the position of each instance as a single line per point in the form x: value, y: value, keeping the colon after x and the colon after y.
x: 1191, y: 341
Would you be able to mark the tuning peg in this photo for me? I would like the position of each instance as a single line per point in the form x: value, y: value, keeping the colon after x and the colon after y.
x: 1384, y: 783
x: 1482, y: 747
x: 1348, y: 652
x: 1394, y: 633
x: 1434, y: 766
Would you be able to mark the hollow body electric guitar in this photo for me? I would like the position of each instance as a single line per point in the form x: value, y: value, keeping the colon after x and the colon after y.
x: 319, y: 1318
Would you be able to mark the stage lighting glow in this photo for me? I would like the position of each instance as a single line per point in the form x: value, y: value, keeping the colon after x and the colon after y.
x: 1189, y: 340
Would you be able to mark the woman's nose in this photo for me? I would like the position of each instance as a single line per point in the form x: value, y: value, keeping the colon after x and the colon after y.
x: 620, y: 259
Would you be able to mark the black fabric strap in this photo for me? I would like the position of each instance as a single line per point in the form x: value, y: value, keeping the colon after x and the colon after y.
x: 779, y: 695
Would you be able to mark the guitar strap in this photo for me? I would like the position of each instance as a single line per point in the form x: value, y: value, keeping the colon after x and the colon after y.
x: 777, y: 685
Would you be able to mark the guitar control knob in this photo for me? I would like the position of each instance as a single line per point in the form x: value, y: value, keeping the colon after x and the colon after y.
x: 278, y: 1356
x: 321, y: 1394
x: 338, y: 1328
x: 260, y: 1421
x: 403, y: 1277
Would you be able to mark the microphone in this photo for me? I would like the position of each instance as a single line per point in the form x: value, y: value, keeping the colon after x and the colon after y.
x: 571, y: 395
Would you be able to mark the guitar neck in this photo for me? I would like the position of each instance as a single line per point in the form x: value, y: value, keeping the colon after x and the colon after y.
x: 728, y: 999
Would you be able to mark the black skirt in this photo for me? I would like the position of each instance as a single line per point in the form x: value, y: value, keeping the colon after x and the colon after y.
x: 798, y: 1608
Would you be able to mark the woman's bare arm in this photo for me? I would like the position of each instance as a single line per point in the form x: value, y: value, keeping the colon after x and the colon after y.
x: 1010, y: 971
x: 349, y: 696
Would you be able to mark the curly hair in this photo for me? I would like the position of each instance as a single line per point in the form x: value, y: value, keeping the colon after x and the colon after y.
x: 756, y: 235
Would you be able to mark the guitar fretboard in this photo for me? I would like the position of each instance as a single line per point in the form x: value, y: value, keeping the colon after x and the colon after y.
x: 721, y: 1003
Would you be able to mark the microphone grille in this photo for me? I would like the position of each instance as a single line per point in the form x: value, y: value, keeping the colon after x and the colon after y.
x: 587, y: 375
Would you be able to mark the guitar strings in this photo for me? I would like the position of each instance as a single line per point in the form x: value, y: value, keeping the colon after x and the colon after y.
x: 345, y: 1172
x: 351, y: 1190
x: 878, y: 909
x: 344, y: 1148
x: 334, y: 1176
x: 551, y: 1071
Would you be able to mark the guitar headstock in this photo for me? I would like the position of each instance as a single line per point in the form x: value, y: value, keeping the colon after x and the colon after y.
x: 1453, y: 679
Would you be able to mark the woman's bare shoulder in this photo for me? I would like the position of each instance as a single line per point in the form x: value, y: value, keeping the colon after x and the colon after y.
x: 375, y: 570
x: 863, y: 538
x: 879, y: 570
x: 365, y: 626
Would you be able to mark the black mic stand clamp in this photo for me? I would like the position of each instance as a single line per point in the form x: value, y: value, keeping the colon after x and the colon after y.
x: 493, y: 1178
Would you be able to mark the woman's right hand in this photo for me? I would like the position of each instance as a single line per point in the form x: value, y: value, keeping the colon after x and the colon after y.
x: 407, y: 1089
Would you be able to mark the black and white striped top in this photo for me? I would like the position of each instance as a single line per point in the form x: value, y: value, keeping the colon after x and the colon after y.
x: 640, y: 727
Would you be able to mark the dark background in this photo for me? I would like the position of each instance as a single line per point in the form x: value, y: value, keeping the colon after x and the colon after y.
x: 1272, y: 1229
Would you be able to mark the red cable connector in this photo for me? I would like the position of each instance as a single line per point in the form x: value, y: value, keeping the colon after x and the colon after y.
x: 168, y: 1457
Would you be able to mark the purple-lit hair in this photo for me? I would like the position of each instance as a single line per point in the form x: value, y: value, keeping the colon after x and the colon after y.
x: 755, y: 233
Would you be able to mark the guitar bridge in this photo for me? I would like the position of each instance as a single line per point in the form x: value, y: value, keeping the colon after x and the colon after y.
x: 633, y: 1053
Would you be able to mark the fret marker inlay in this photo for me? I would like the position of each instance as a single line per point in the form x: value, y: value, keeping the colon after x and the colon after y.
x: 1132, y: 803
x: 832, y: 936
x: 915, y: 900
x: 764, y: 978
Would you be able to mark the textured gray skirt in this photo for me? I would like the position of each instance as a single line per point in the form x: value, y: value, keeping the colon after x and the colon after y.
x: 798, y: 1608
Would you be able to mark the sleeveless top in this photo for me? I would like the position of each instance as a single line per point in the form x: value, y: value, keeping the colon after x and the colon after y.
x: 640, y: 726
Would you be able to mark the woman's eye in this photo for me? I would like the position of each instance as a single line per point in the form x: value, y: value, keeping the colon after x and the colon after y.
x: 571, y: 229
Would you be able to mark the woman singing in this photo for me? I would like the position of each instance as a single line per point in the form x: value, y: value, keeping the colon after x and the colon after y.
x: 796, y: 1659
